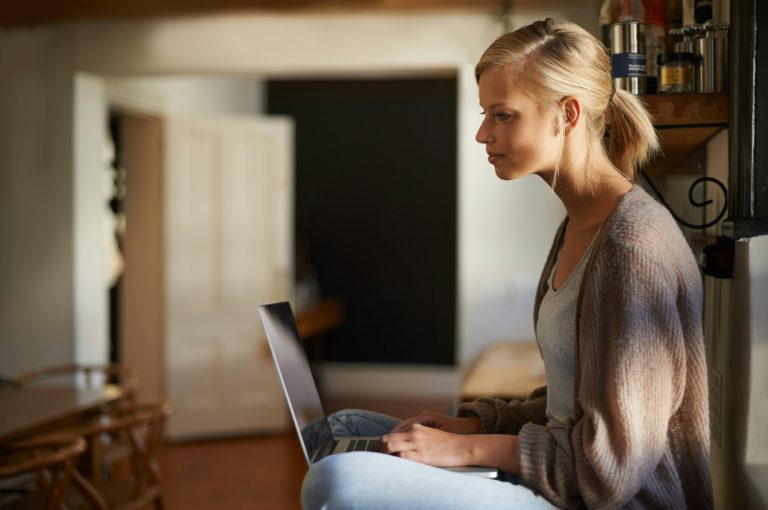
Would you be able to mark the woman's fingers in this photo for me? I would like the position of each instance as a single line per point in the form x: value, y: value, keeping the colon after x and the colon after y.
x: 395, y: 442
x: 427, y: 445
x: 403, y: 425
x: 428, y: 418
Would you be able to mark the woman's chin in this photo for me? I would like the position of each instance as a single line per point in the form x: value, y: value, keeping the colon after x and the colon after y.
x: 505, y: 174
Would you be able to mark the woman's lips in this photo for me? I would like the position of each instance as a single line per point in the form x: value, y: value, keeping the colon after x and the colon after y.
x: 493, y: 157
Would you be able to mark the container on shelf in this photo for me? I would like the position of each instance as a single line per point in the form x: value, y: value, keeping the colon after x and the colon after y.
x: 655, y: 42
x: 628, y: 56
x: 677, y: 72
x: 712, y: 47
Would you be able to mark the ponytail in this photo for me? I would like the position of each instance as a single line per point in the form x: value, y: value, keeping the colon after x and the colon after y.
x: 632, y: 141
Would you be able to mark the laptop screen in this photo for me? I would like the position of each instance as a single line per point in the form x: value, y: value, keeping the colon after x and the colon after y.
x: 295, y: 376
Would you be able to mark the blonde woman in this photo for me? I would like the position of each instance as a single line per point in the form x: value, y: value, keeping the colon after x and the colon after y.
x: 623, y: 421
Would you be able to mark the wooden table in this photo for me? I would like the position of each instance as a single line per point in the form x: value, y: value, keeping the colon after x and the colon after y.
x: 31, y: 409
x: 509, y: 370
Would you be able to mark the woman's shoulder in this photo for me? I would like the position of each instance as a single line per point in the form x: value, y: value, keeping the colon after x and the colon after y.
x: 642, y: 221
x: 640, y: 226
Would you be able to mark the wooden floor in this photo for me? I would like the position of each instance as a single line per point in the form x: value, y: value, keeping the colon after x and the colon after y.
x: 261, y: 472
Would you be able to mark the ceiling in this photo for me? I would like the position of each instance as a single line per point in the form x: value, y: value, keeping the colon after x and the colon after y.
x: 38, y: 12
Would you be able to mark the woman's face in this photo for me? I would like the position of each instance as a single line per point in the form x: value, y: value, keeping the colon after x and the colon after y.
x: 519, y: 134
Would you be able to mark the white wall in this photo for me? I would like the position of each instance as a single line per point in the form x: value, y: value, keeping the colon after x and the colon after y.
x: 189, y: 95
x: 504, y: 228
x: 756, y: 453
x: 740, y: 458
x: 36, y: 300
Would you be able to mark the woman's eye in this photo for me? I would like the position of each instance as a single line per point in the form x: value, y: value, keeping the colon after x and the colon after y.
x: 500, y: 116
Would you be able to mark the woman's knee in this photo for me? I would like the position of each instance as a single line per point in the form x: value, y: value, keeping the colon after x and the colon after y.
x: 340, y: 481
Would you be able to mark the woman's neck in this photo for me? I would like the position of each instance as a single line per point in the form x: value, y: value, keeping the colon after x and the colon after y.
x: 588, y: 201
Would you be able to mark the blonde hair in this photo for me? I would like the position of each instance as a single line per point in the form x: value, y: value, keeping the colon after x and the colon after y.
x: 553, y: 59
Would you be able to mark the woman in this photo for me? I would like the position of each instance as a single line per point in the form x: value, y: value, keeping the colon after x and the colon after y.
x: 623, y: 422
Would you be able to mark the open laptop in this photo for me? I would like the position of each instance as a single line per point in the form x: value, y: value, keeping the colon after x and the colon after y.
x: 300, y: 390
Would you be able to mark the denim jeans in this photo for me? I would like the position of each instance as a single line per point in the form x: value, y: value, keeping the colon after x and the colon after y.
x: 376, y: 481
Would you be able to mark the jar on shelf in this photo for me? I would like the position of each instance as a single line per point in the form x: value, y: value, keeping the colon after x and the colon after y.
x: 677, y: 72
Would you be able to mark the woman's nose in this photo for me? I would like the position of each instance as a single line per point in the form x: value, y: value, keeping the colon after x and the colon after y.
x: 483, y: 135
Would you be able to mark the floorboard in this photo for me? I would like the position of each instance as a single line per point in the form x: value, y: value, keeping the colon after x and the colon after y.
x: 259, y: 472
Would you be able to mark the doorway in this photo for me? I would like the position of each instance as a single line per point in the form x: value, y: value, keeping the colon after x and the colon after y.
x: 375, y: 207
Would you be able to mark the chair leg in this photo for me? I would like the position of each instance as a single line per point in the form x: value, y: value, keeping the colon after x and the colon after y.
x: 86, y: 490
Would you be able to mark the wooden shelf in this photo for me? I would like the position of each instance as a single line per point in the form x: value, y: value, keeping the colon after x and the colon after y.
x: 687, y: 110
x: 684, y: 122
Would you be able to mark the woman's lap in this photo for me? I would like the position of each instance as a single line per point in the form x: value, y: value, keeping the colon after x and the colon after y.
x: 377, y: 481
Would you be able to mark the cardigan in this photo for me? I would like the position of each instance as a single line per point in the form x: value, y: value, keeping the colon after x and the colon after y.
x: 640, y: 434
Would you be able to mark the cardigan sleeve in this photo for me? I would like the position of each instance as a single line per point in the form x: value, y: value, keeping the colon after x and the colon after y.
x: 631, y: 376
x: 498, y: 416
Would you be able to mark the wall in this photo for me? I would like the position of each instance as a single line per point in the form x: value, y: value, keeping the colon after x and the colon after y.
x: 188, y: 95
x: 736, y: 332
x: 740, y: 460
x: 504, y: 228
x: 756, y: 448
x: 36, y: 301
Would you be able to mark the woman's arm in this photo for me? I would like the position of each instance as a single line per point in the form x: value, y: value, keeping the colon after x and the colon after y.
x: 440, y: 448
x: 502, y: 417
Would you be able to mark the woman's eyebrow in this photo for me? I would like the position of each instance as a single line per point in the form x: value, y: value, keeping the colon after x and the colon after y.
x: 494, y: 105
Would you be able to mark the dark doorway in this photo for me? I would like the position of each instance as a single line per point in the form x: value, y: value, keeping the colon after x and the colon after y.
x: 375, y: 199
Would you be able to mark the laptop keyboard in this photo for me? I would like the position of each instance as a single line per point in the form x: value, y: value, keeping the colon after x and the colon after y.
x: 362, y: 445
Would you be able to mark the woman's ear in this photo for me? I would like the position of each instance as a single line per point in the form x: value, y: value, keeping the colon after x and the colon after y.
x: 571, y: 112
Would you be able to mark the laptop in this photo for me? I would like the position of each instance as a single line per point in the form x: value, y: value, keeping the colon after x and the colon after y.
x: 302, y: 397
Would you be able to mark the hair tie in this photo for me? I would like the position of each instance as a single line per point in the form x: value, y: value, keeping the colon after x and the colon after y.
x: 613, y: 92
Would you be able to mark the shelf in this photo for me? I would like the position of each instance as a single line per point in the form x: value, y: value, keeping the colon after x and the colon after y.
x: 684, y: 123
x: 687, y: 110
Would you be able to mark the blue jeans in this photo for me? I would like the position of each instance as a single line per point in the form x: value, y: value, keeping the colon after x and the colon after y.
x: 377, y: 481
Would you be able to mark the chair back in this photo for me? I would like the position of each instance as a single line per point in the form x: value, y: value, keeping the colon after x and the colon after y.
x: 141, y: 428
x: 51, y: 458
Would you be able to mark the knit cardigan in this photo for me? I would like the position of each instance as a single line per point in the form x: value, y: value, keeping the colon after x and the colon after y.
x: 640, y: 435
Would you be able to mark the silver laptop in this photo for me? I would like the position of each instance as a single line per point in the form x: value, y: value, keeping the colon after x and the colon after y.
x: 300, y: 390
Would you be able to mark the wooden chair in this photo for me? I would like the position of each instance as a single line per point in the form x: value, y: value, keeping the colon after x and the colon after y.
x: 51, y: 459
x: 93, y: 376
x: 140, y: 430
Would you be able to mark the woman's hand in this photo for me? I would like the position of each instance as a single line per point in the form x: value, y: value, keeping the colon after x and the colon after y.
x: 436, y: 446
x: 428, y: 445
x: 442, y: 422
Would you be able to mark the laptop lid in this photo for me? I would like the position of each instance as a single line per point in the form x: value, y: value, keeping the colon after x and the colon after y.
x: 296, y: 377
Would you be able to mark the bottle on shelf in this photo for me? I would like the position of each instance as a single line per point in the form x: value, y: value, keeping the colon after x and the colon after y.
x: 703, y: 11
x: 655, y: 45
x: 632, y: 10
x: 673, y: 15
x: 687, y: 12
